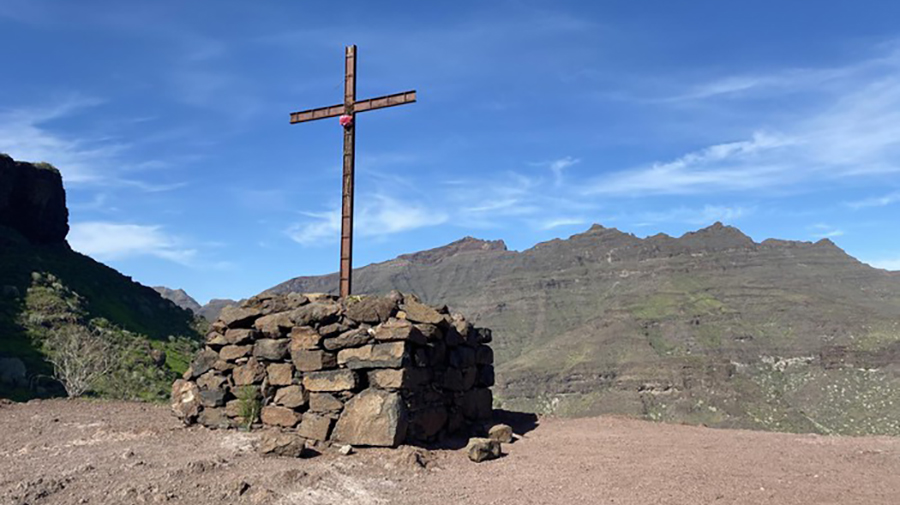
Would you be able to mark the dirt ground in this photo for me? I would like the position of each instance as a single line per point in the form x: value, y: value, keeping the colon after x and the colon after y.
x: 121, y: 453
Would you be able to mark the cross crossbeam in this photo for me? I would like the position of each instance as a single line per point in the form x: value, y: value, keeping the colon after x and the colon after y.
x: 348, y: 111
x: 381, y: 102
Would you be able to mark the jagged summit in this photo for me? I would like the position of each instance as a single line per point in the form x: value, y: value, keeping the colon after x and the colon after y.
x: 179, y: 297
x: 463, y: 245
x: 717, y: 237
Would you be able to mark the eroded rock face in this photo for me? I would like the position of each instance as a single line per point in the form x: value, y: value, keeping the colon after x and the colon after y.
x: 373, y: 418
x: 33, y: 201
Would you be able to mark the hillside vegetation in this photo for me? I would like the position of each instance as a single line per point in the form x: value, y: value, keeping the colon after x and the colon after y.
x: 46, y: 288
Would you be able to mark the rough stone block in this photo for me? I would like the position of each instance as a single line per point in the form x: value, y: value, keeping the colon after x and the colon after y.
x: 398, y: 330
x: 233, y: 352
x: 251, y: 372
x: 477, y: 404
x: 315, y: 427
x: 321, y: 312
x: 386, y: 355
x: 304, y: 338
x: 237, y: 317
x: 214, y: 418
x: 280, y: 374
x: 403, y: 378
x: 291, y: 397
x: 279, y: 416
x: 215, y: 340
x: 330, y: 381
x: 335, y: 329
x: 427, y: 423
x: 352, y: 338
x: 311, y: 361
x: 371, y: 309
x: 420, y: 313
x: 485, y: 377
x: 373, y: 418
x: 203, y: 362
x: 484, y: 355
x: 240, y: 336
x: 274, y: 325
x: 211, y: 380
x: 324, y: 402
x: 271, y: 349
x: 431, y: 332
x: 462, y: 357
x: 233, y: 408
x: 212, y: 397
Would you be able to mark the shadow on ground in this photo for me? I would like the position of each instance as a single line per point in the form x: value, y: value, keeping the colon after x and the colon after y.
x: 520, y: 422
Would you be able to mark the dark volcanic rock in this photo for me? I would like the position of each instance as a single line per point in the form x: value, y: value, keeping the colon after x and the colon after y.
x: 33, y: 201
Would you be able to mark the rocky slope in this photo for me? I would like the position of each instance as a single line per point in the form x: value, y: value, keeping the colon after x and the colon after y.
x: 710, y: 327
x: 44, y: 283
x: 179, y: 297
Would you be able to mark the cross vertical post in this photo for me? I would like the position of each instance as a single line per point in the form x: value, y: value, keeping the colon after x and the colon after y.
x: 348, y: 176
x: 348, y: 111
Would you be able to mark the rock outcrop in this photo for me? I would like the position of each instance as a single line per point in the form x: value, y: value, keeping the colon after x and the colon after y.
x: 32, y: 201
x: 366, y: 371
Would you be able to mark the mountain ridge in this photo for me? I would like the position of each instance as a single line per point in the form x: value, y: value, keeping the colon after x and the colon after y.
x: 607, y: 322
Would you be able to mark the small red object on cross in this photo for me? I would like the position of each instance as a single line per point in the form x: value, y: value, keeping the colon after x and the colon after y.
x: 346, y: 120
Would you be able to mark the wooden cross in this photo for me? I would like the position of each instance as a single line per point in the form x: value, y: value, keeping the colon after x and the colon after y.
x: 348, y: 111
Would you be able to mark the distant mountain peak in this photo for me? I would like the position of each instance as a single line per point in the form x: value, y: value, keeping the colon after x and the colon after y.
x: 464, y: 245
x: 717, y: 237
x: 178, y: 297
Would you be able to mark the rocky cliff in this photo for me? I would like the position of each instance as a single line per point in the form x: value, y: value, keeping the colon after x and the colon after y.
x: 32, y: 201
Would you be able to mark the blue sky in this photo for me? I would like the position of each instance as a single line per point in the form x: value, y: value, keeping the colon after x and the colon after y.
x: 169, y: 122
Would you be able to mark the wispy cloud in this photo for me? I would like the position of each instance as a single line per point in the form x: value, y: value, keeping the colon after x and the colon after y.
x: 380, y: 217
x: 558, y: 222
x: 27, y: 134
x: 878, y: 201
x: 117, y: 241
x: 850, y: 128
x: 694, y: 216
x: 558, y: 167
x: 822, y: 230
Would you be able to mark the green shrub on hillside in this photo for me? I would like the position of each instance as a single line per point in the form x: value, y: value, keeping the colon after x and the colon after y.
x: 91, y: 354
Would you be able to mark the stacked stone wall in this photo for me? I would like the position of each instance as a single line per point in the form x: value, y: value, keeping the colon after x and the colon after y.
x: 369, y: 371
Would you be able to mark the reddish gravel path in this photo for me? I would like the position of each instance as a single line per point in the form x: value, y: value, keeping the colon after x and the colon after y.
x: 111, y: 452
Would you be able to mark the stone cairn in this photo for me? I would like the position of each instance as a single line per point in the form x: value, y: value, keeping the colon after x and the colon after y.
x: 365, y: 371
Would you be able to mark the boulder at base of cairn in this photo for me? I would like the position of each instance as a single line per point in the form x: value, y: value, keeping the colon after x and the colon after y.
x: 502, y: 433
x: 289, y: 445
x: 482, y: 449
x: 374, y: 418
x: 186, y: 400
